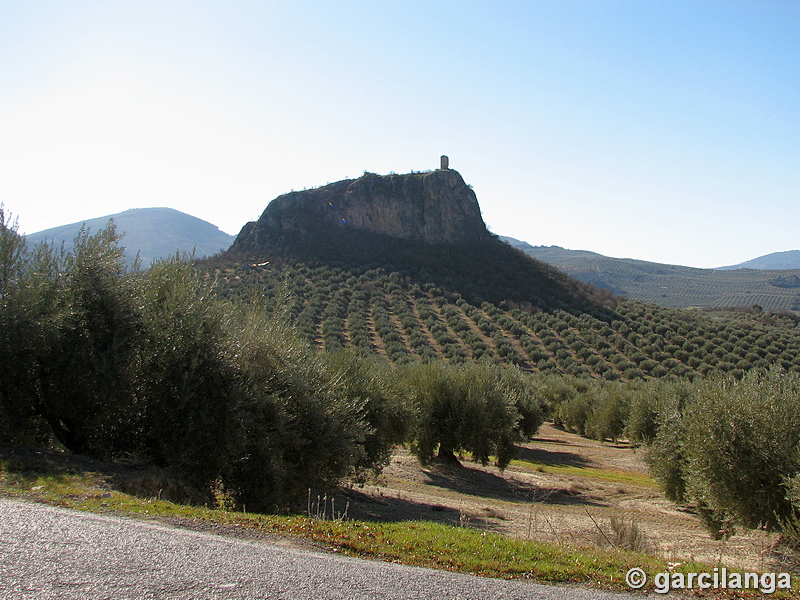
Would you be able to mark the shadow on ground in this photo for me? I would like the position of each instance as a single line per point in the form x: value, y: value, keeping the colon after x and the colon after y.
x: 364, y: 506
x: 552, y: 458
x: 476, y: 482
x: 27, y: 463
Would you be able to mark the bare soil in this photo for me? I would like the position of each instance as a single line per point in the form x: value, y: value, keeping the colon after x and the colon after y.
x: 566, y: 489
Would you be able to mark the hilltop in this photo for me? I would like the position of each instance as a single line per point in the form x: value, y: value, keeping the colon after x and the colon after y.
x: 425, y: 226
x: 152, y: 232
x: 434, y: 207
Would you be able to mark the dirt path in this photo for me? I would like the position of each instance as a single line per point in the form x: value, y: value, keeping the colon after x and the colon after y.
x: 563, y: 488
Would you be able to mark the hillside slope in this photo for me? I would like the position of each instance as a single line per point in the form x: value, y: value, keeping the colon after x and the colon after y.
x: 153, y: 232
x: 674, y: 286
x: 376, y: 311
x: 774, y: 261
x: 382, y: 292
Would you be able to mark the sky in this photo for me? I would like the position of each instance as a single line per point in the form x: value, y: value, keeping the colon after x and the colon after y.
x: 665, y: 131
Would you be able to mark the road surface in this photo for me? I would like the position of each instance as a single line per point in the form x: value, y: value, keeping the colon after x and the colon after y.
x: 52, y: 553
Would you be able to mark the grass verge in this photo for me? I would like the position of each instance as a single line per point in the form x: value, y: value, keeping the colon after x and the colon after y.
x: 419, y: 543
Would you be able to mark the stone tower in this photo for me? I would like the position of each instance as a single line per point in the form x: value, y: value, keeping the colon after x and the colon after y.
x: 445, y: 162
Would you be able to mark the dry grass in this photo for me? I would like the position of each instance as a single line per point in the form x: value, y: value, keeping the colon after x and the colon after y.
x: 564, y: 490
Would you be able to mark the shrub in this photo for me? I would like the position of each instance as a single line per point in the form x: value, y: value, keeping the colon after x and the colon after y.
x: 667, y: 457
x: 741, y: 444
x: 476, y: 408
x: 574, y: 412
x: 31, y: 310
x: 82, y: 373
x: 608, y: 415
x: 651, y: 405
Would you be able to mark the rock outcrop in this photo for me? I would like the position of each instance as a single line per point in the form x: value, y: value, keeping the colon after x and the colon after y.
x: 436, y: 207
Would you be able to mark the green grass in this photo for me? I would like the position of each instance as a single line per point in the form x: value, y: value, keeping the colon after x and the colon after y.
x: 612, y: 475
x: 426, y: 544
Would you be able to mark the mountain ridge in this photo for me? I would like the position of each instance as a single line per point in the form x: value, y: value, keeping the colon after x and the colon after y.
x: 789, y: 259
x: 674, y: 286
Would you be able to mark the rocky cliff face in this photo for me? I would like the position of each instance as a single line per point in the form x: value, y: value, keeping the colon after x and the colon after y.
x: 435, y: 207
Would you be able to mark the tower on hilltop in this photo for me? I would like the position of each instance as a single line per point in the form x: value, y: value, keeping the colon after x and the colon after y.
x: 445, y: 162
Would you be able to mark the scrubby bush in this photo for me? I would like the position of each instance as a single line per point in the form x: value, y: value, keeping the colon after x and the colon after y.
x: 609, y: 414
x: 307, y: 420
x: 186, y: 381
x: 80, y: 374
x: 667, y: 456
x: 651, y: 405
x: 30, y: 313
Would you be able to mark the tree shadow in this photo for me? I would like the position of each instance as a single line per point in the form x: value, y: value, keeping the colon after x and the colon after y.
x: 544, y: 440
x: 477, y: 482
x: 552, y: 458
x: 387, y: 508
x: 391, y: 506
x: 24, y: 464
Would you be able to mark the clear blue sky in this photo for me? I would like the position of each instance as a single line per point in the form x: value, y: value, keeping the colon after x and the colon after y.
x: 666, y: 131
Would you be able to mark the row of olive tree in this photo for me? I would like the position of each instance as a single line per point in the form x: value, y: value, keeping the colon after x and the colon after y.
x: 729, y: 447
x: 109, y: 360
x: 733, y: 450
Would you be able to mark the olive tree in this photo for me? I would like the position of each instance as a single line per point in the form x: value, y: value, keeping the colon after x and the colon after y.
x: 481, y: 409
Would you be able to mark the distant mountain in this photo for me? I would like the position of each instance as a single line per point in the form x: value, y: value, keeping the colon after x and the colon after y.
x: 672, y: 285
x: 153, y: 232
x: 777, y: 260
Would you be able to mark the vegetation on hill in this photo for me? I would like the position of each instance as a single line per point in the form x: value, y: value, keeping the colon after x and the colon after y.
x: 674, y: 286
x: 481, y: 270
x: 790, y: 259
x: 205, y: 370
x: 393, y: 314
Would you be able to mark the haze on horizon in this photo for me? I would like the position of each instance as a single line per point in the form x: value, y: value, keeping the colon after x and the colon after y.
x: 667, y: 132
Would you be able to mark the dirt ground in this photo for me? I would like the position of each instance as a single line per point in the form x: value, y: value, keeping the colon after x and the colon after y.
x: 565, y: 489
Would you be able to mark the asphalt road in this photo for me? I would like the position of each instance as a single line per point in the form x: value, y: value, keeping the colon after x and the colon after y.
x: 52, y: 553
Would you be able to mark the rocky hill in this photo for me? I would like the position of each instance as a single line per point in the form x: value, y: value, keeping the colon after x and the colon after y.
x: 427, y: 226
x: 434, y: 207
